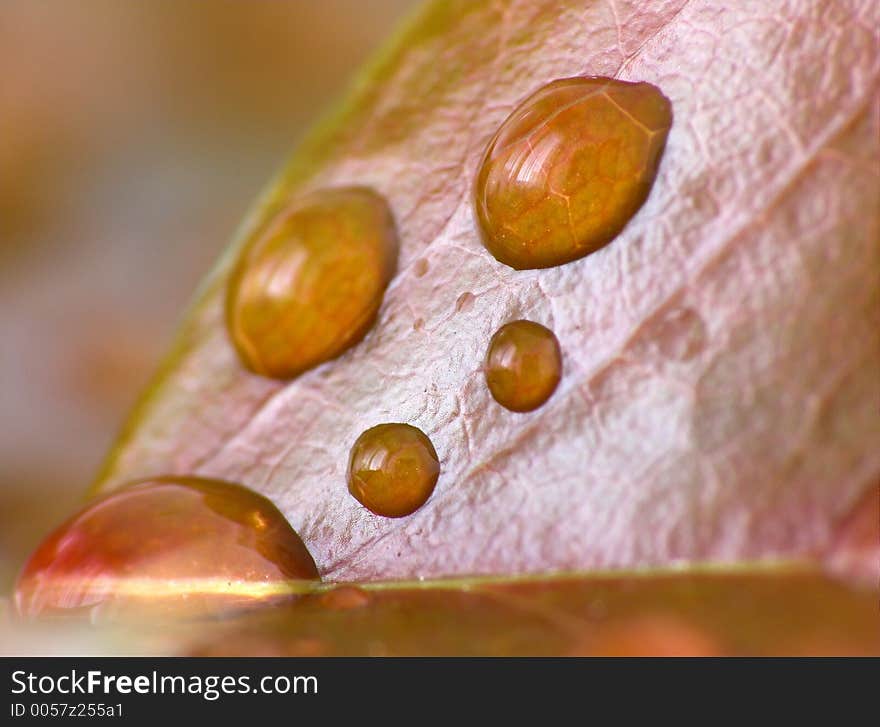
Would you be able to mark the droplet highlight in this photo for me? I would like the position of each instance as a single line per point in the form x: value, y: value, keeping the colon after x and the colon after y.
x: 170, y: 546
x: 309, y: 284
x: 393, y: 469
x: 523, y: 365
x: 568, y: 169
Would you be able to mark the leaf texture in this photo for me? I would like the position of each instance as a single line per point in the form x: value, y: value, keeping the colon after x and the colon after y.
x: 720, y: 388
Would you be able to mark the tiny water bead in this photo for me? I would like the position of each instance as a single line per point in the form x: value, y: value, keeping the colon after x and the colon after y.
x: 345, y: 598
x: 309, y: 284
x: 523, y: 365
x: 568, y: 169
x: 393, y: 469
x: 180, y: 545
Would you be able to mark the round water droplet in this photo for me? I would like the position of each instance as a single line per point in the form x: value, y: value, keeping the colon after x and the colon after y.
x: 523, y: 365
x: 568, y: 168
x: 175, y: 545
x: 393, y: 469
x: 309, y: 283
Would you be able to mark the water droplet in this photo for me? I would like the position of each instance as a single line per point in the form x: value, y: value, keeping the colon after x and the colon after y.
x: 176, y: 545
x: 345, y: 598
x: 568, y: 169
x: 523, y: 365
x: 308, y: 285
x: 465, y: 302
x: 393, y: 469
x: 420, y: 267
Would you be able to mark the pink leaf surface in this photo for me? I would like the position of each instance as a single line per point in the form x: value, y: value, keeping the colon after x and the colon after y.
x: 721, y: 358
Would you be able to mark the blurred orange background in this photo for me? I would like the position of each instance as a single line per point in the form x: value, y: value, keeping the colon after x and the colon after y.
x: 133, y: 137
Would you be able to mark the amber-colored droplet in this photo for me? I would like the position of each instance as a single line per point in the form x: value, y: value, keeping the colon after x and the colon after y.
x: 523, y: 365
x: 393, y: 469
x: 170, y: 545
x: 309, y: 283
x: 345, y: 598
x: 568, y: 168
x: 420, y: 267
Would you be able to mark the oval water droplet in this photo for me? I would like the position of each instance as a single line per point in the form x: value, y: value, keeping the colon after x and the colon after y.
x: 464, y: 302
x: 393, y: 469
x: 523, y: 365
x: 170, y: 545
x: 420, y: 267
x: 308, y: 285
x: 568, y: 169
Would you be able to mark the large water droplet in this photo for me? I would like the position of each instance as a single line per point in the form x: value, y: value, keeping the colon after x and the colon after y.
x: 568, y: 168
x: 309, y: 283
x: 393, y: 469
x: 170, y: 545
x: 523, y: 365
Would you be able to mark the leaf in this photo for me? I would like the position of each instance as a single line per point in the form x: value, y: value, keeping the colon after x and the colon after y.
x: 720, y: 357
x: 756, y: 612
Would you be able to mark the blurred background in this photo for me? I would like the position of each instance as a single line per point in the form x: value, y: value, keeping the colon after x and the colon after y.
x: 133, y: 138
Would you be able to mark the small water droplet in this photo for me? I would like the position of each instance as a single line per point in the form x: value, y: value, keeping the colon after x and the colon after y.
x: 345, y: 598
x: 465, y: 302
x: 175, y: 545
x: 420, y: 267
x: 523, y: 365
x: 568, y: 169
x: 309, y: 283
x: 393, y: 469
